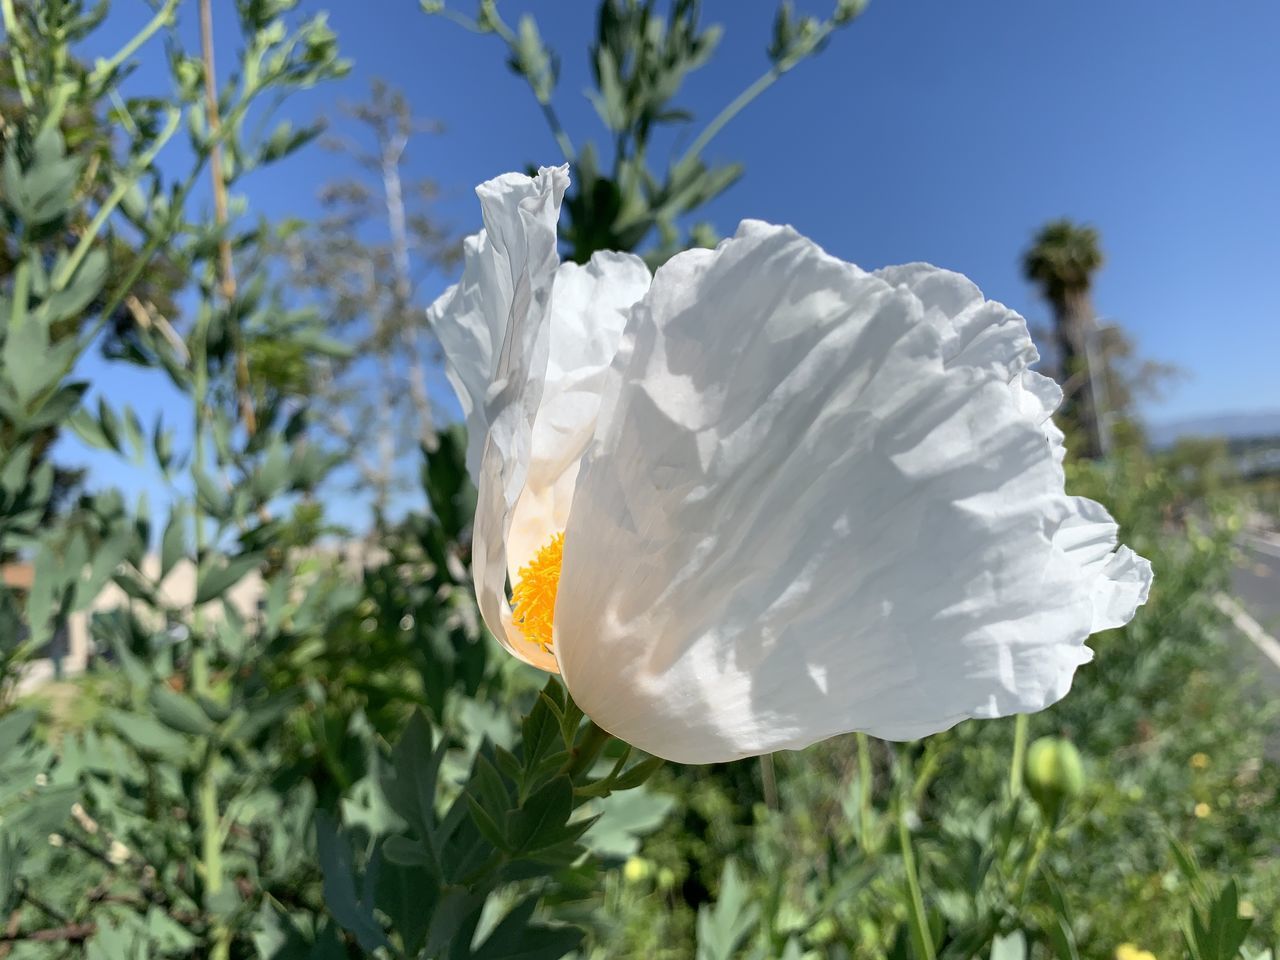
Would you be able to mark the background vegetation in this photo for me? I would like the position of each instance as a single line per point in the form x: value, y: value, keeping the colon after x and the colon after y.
x: 352, y: 768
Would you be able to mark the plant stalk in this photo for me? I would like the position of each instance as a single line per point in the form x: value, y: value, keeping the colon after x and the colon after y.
x: 1018, y: 761
x: 920, y: 935
x: 226, y: 264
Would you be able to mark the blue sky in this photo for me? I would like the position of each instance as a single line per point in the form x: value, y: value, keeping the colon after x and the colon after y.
x: 930, y: 130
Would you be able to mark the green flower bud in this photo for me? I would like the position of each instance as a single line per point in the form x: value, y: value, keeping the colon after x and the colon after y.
x: 1054, y: 774
x: 846, y: 10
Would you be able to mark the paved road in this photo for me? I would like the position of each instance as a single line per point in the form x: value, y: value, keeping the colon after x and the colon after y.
x: 1255, y: 610
x: 1257, y: 581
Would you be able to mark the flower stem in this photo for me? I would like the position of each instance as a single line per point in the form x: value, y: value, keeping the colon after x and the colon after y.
x: 12, y: 30
x: 769, y: 781
x: 864, y: 790
x: 588, y: 748
x: 1019, y: 755
x: 920, y: 935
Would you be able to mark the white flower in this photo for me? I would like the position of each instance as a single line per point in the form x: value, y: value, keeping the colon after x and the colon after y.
x: 792, y: 498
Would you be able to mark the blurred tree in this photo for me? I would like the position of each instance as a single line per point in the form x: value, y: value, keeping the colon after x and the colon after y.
x: 1062, y: 261
x: 1098, y: 364
x: 363, y: 262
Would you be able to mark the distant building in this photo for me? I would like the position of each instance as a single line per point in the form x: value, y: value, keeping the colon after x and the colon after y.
x: 70, y: 649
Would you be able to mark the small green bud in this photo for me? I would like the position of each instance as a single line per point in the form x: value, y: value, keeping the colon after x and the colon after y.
x: 847, y: 10
x: 1054, y: 774
x: 190, y: 75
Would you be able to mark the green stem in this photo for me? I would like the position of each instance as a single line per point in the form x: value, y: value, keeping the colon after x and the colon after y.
x: 14, y: 33
x: 548, y: 111
x: 769, y: 781
x: 588, y: 748
x: 1018, y: 760
x: 735, y: 106
x: 920, y: 934
x: 21, y: 294
x: 211, y: 853
x: 1033, y: 862
x: 865, y: 785
x: 558, y: 131
x: 162, y: 17
x: 68, y: 269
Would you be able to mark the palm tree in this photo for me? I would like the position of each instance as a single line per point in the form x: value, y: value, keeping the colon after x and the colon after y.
x: 1061, y: 261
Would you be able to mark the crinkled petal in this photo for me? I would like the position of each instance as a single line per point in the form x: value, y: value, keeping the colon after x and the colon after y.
x: 589, y: 309
x: 493, y: 328
x: 820, y: 500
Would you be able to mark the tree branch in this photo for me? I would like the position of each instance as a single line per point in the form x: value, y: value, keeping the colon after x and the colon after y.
x: 226, y: 265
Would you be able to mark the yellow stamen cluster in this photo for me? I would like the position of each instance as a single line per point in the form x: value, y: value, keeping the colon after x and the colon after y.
x: 533, y: 599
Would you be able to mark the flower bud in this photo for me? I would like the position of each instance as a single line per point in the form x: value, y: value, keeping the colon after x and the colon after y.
x: 1054, y: 774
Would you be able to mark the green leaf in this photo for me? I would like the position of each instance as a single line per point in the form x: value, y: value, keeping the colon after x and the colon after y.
x: 148, y: 735
x: 1010, y: 947
x: 213, y: 581
x: 638, y: 774
x: 722, y: 928
x: 79, y: 291
x: 626, y: 818
x: 415, y: 762
x: 515, y: 938
x: 15, y: 726
x: 173, y: 544
x: 117, y: 943
x: 540, y: 821
x: 349, y: 907
x: 409, y: 900
x: 28, y: 362
x: 179, y: 712
x: 89, y: 430
x: 210, y: 496
x: 13, y: 478
x: 44, y: 812
x: 8, y: 873
x: 273, y: 473
x: 1227, y: 929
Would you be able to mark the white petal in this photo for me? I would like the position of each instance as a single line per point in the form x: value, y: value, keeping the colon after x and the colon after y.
x: 493, y: 329
x: 818, y: 501
x: 589, y: 308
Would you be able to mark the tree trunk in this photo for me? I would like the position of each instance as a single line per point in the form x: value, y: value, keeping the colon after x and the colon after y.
x: 1074, y: 327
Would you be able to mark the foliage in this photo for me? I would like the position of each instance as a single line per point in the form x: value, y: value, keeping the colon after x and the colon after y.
x: 295, y: 751
x: 639, y: 60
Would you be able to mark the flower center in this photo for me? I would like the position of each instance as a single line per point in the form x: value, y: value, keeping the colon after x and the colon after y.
x: 533, y: 598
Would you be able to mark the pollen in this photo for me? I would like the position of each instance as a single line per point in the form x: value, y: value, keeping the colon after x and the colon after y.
x: 533, y: 599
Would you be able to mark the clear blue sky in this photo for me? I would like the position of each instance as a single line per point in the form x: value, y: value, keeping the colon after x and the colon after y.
x: 931, y: 130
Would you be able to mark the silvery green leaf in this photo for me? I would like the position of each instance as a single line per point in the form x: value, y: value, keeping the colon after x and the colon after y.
x: 214, y: 579
x: 179, y: 712
x: 1013, y: 946
x: 625, y: 819
x: 14, y: 728
x: 111, y: 942
x: 148, y: 735
x: 723, y: 928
